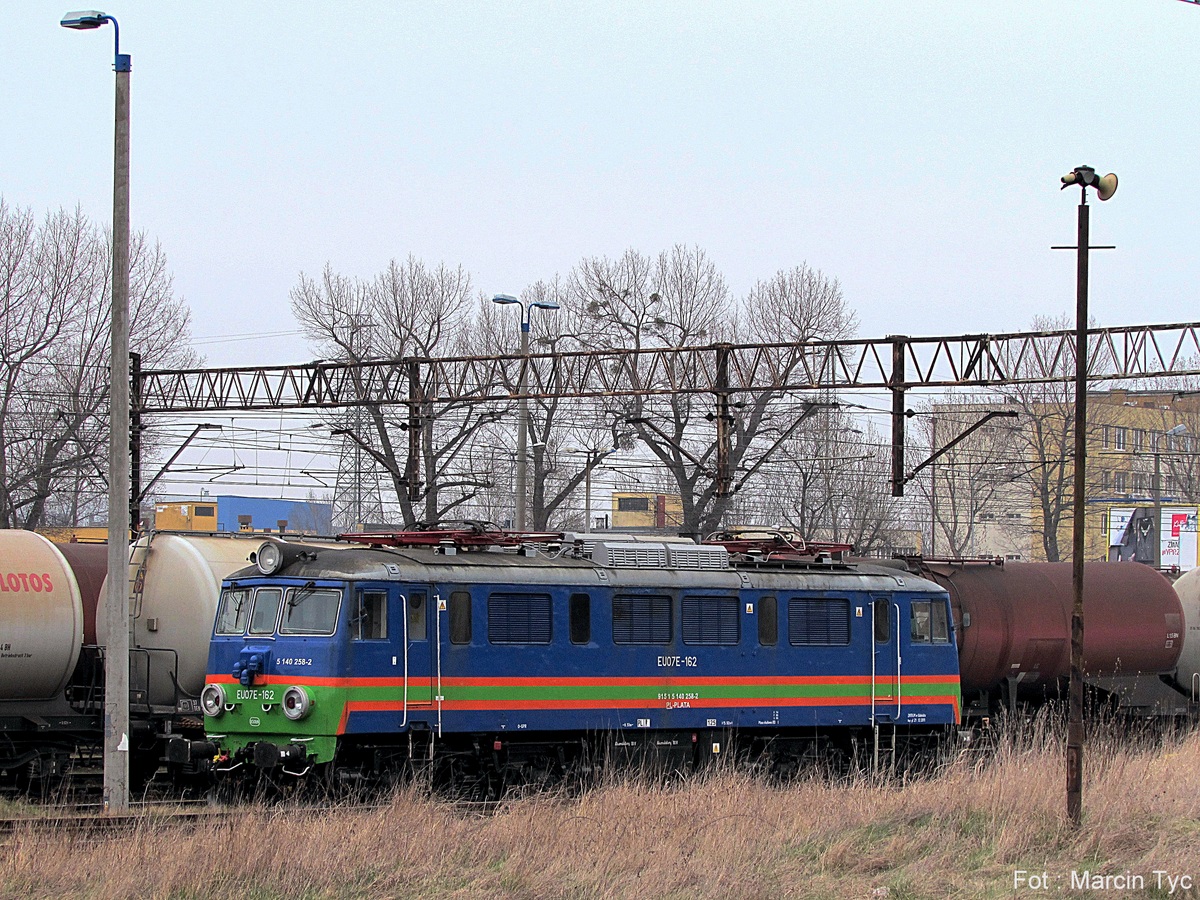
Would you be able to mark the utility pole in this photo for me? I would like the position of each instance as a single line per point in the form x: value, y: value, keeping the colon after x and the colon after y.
x: 1085, y: 177
x: 116, y: 600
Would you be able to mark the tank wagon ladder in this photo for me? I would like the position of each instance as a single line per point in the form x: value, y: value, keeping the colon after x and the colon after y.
x: 139, y: 557
x: 139, y: 561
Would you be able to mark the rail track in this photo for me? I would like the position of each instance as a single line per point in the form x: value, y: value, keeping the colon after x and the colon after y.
x: 92, y: 822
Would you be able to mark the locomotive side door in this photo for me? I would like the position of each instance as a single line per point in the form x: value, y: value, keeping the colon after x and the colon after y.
x: 417, y: 667
x: 885, y: 659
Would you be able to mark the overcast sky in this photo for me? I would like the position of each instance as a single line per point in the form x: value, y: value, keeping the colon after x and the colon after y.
x: 911, y: 150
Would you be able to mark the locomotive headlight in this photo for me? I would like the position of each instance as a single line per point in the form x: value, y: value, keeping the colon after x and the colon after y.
x: 269, y: 558
x: 274, y: 556
x: 296, y: 704
x: 212, y: 700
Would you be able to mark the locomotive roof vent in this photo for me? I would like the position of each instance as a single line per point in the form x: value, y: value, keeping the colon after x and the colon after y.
x: 630, y: 555
x: 698, y: 556
x: 646, y: 555
x: 586, y: 541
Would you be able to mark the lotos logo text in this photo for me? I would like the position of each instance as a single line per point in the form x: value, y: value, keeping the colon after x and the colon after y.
x: 25, y: 581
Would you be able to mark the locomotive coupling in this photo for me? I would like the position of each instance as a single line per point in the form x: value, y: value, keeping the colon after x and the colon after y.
x: 182, y: 751
x: 269, y: 756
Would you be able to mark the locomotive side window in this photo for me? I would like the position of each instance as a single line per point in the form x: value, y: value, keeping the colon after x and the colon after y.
x: 519, y: 619
x: 417, y: 628
x: 941, y: 624
x: 919, y: 631
x: 581, y: 618
x: 641, y: 620
x: 310, y: 611
x: 235, y: 610
x: 768, y: 621
x: 711, y: 620
x: 370, y: 621
x: 266, y: 610
x: 818, y: 621
x: 460, y: 617
x: 883, y: 621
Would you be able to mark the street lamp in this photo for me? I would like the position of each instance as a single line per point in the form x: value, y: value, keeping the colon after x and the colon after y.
x: 116, y: 603
x: 1105, y: 186
x: 523, y: 404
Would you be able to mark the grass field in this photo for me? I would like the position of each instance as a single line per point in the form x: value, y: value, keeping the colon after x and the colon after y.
x: 965, y: 832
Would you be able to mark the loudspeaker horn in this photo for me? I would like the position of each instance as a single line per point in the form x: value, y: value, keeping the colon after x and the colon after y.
x: 1106, y: 186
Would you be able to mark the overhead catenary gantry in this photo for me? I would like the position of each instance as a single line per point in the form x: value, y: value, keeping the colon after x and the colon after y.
x: 896, y: 363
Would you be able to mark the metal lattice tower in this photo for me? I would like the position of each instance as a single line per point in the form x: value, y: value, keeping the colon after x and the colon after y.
x: 357, y: 495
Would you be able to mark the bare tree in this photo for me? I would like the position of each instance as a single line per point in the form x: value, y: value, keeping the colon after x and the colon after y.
x: 680, y: 299
x: 409, y: 310
x: 974, y: 476
x: 569, y: 437
x: 55, y: 309
x: 829, y: 482
x: 1044, y: 447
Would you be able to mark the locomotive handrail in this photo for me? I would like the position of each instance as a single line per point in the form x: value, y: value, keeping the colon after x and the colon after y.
x: 898, y: 701
x: 437, y: 616
x: 404, y: 619
x: 874, y: 717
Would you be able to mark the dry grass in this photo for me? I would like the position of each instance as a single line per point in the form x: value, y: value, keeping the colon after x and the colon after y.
x: 960, y: 834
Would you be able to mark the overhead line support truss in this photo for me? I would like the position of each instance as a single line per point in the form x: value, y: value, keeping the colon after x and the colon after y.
x: 895, y: 363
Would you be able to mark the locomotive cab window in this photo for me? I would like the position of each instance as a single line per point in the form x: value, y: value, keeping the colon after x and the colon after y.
x: 930, y: 624
x: 310, y: 610
x: 370, y: 619
x: 235, y: 610
x: 919, y: 632
x: 940, y: 622
x: 266, y: 610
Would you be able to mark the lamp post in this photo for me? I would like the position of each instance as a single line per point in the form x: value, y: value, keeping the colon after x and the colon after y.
x: 116, y: 602
x: 1106, y: 186
x: 523, y: 403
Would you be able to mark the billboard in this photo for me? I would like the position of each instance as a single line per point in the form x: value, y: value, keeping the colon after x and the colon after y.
x: 1131, y: 535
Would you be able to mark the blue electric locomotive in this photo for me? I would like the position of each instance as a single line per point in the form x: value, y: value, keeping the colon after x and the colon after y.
x: 497, y: 653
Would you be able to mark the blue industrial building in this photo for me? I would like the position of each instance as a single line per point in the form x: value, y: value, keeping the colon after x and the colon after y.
x: 308, y: 516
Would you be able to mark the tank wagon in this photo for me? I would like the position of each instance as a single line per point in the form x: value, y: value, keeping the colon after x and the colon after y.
x: 500, y: 656
x: 1013, y: 624
x: 1187, y: 673
x: 52, y: 656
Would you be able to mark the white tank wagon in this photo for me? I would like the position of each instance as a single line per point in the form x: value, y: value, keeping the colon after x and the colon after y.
x: 52, y: 656
x: 1187, y: 675
x: 175, y: 580
x: 175, y: 584
x: 41, y: 618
